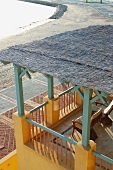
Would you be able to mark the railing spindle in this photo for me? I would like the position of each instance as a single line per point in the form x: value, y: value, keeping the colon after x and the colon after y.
x: 69, y: 102
x: 45, y: 116
x: 64, y: 104
x: 40, y: 139
x: 65, y: 151
x: 57, y: 147
x: 72, y: 102
x: 44, y: 141
x: 30, y: 136
x: 42, y: 116
x: 61, y: 149
x: 100, y: 164
x: 53, y: 144
x: 48, y: 142
x: 39, y: 115
x: 74, y: 99
x: 106, y: 165
x: 36, y: 133
x: 60, y: 106
x: 70, y: 154
x: 32, y: 129
x: 36, y: 137
x: 60, y: 97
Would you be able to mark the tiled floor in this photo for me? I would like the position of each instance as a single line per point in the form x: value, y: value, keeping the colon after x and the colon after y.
x: 105, y: 134
x: 104, y: 142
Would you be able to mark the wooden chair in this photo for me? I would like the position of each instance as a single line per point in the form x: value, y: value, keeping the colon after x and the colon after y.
x: 105, y: 117
x: 95, y: 118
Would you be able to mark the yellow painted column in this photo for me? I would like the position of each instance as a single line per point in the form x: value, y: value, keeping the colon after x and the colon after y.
x: 52, y: 110
x: 84, y: 159
x: 78, y: 99
x: 22, y: 135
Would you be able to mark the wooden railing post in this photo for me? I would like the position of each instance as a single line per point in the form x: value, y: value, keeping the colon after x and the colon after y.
x: 84, y: 159
x: 52, y: 110
x: 78, y: 99
x: 19, y: 90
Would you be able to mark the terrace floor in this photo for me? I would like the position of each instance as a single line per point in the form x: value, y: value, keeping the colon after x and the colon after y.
x: 59, y: 151
x: 104, y: 142
x: 105, y: 134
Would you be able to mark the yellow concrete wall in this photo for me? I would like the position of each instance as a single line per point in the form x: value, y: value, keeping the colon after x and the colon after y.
x: 52, y: 110
x: 78, y: 99
x: 35, y: 161
x: 9, y: 162
x: 28, y: 159
x: 85, y: 156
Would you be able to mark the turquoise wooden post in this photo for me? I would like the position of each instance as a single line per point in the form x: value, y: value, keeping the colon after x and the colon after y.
x: 86, y: 117
x: 19, y: 90
x: 50, y: 87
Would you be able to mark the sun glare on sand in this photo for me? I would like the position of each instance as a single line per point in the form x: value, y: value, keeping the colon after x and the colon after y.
x: 17, y: 16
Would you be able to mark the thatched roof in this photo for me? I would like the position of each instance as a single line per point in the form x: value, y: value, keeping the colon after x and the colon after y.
x: 83, y: 57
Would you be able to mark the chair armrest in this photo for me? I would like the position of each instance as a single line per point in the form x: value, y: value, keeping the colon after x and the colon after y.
x: 96, y: 103
x: 76, y: 124
x: 93, y: 112
x: 108, y: 110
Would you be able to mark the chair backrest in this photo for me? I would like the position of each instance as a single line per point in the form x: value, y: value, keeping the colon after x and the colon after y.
x: 109, y: 108
x: 96, y: 117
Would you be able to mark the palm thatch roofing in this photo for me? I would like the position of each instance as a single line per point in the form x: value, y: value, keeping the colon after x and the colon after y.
x: 83, y: 57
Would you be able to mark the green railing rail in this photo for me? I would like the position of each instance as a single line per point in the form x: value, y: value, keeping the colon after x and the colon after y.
x: 66, y: 91
x: 103, y: 157
x: 38, y: 107
x: 51, y: 131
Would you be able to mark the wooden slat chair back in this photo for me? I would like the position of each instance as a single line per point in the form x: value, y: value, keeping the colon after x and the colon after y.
x: 95, y: 118
x: 109, y: 108
x: 105, y: 119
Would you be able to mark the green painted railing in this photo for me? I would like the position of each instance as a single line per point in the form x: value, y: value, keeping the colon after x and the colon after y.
x: 67, y: 102
x: 38, y: 107
x: 51, y: 131
x: 66, y: 91
x: 39, y: 114
x: 52, y: 144
x: 105, y: 162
